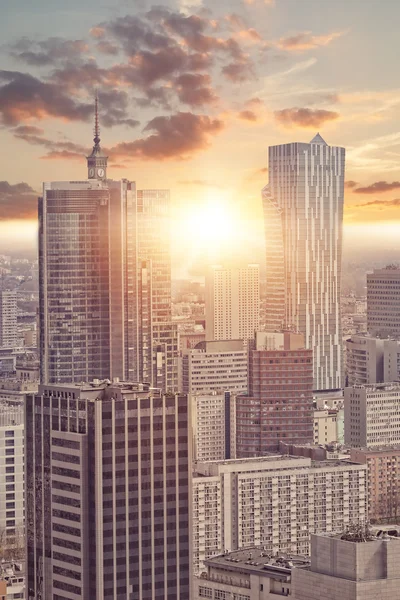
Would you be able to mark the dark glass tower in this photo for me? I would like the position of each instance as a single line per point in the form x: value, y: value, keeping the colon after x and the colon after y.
x: 107, y: 493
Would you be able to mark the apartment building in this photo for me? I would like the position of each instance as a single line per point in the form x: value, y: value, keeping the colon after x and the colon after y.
x: 372, y: 415
x: 274, y: 502
x: 213, y: 426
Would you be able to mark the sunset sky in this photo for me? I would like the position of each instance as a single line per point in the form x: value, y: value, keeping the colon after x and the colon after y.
x: 192, y: 93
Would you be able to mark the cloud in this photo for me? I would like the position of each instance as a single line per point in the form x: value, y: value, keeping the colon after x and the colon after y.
x: 378, y: 187
x: 23, y: 97
x: 248, y: 115
x: 17, y: 201
x: 239, y: 71
x: 381, y: 204
x: 56, y: 149
x: 48, y: 52
x: 195, y: 89
x: 349, y: 185
x: 178, y: 137
x: 304, y: 117
x: 305, y: 40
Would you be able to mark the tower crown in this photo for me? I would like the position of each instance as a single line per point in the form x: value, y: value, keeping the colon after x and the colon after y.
x: 97, y: 160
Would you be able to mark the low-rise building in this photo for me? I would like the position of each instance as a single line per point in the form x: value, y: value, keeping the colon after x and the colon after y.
x: 12, y: 578
x: 248, y: 574
x: 353, y: 566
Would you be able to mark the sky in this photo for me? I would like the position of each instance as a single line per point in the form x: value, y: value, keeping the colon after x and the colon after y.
x: 192, y: 93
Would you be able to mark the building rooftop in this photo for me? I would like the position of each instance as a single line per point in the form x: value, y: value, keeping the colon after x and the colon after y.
x: 257, y: 560
x: 378, y: 387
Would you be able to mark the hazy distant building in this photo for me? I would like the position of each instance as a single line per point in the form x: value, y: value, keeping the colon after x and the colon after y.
x: 11, y: 475
x: 279, y: 404
x: 266, y: 502
x: 383, y: 302
x: 349, y: 569
x: 306, y: 189
x: 8, y: 319
x: 214, y: 430
x: 391, y: 360
x: 232, y: 303
x: 213, y: 367
x: 107, y: 493
x: 372, y: 415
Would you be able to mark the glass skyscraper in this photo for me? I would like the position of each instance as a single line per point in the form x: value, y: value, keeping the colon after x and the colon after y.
x: 306, y: 184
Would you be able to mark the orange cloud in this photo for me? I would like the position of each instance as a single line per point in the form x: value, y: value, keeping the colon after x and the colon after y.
x: 304, y: 117
x: 305, y: 40
x: 378, y: 187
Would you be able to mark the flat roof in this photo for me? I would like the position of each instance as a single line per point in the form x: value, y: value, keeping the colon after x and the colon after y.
x: 259, y: 561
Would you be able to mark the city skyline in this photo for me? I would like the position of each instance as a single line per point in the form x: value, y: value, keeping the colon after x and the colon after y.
x: 277, y: 76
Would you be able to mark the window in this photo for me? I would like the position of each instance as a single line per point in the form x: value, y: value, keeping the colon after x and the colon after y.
x: 205, y: 592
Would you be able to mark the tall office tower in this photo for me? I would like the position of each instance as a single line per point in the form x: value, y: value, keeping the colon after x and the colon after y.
x: 355, y: 565
x: 105, y: 280
x: 214, y: 367
x: 107, y: 493
x: 383, y: 302
x: 8, y: 319
x: 306, y: 182
x: 275, y: 260
x: 232, y: 303
x: 159, y: 335
x: 371, y: 415
x: 279, y: 405
x: 11, y: 475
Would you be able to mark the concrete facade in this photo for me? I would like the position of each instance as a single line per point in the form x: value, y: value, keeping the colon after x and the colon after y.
x: 347, y: 570
x: 214, y: 426
x: 383, y: 302
x: 371, y: 415
x: 364, y: 360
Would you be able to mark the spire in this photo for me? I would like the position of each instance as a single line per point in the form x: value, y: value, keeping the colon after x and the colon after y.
x: 318, y: 140
x: 96, y: 138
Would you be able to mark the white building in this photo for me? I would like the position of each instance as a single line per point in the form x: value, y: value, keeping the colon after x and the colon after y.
x: 214, y: 426
x: 326, y: 425
x: 232, y: 303
x: 306, y: 181
x: 372, y: 415
x: 8, y: 319
x: 364, y: 360
x: 391, y: 360
x: 214, y: 366
x: 274, y: 502
x: 11, y: 474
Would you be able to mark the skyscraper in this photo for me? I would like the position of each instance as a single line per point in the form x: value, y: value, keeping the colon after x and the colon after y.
x: 105, y: 280
x: 107, y: 493
x: 232, y: 303
x: 306, y: 188
x: 279, y: 405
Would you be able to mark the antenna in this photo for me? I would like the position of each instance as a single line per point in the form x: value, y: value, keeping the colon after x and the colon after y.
x: 96, y: 120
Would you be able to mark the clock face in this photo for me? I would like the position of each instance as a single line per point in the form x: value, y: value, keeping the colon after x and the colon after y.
x: 100, y: 172
x: 91, y: 172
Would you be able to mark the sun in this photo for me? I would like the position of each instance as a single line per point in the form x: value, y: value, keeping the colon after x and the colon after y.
x: 210, y: 226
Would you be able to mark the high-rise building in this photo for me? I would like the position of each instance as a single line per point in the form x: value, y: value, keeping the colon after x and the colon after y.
x: 279, y: 404
x: 105, y: 280
x: 306, y: 189
x: 383, y: 302
x: 11, y: 476
x: 391, y: 360
x: 107, y: 493
x: 232, y: 303
x: 273, y: 502
x: 214, y: 426
x: 214, y: 367
x: 371, y: 415
x: 8, y: 319
x: 353, y: 566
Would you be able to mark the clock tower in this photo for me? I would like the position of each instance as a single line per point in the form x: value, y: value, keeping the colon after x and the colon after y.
x: 97, y: 161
